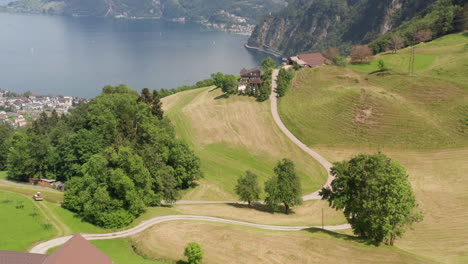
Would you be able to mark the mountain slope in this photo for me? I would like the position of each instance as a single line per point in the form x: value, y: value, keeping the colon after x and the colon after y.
x: 212, y: 11
x: 312, y: 25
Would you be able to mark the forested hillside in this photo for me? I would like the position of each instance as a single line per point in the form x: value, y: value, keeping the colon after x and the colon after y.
x: 309, y: 25
x: 215, y: 11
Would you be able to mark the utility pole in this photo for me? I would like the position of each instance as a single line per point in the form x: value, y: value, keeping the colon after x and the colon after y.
x: 322, y: 219
x: 411, y: 63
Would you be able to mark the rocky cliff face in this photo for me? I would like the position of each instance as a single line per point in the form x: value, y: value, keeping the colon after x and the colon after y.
x: 311, y: 25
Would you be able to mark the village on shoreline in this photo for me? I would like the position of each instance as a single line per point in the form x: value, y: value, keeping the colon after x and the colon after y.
x: 19, y: 110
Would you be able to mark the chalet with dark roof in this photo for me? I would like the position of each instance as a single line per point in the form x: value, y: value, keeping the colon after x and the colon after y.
x: 77, y: 250
x: 250, y: 79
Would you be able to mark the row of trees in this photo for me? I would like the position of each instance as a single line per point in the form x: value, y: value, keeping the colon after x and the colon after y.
x: 373, y: 192
x: 116, y: 154
x: 283, y: 188
x: 285, y: 78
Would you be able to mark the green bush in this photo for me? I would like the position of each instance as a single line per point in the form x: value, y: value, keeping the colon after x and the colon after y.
x: 194, y: 253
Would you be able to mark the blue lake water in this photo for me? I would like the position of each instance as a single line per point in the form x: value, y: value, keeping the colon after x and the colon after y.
x: 78, y: 56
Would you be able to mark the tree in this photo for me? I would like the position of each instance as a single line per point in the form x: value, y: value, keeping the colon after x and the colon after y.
x: 361, y: 54
x: 375, y: 195
x: 218, y: 79
x: 268, y: 64
x: 194, y: 253
x: 229, y: 84
x: 339, y: 61
x: 331, y: 53
x: 423, y: 35
x: 395, y: 43
x: 6, y: 131
x: 247, y: 188
x: 381, y: 65
x: 284, y: 187
x: 156, y: 106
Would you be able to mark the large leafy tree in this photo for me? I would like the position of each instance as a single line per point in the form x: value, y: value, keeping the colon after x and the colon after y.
x: 284, y: 187
x: 115, y: 189
x: 375, y: 195
x: 6, y: 131
x: 247, y: 187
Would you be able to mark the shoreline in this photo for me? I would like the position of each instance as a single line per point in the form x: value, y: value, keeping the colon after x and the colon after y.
x: 273, y: 53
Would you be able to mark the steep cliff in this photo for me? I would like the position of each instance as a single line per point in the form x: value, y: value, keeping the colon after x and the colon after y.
x: 311, y: 25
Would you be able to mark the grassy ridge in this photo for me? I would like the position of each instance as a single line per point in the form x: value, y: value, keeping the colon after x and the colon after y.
x: 348, y: 107
x: 231, y: 136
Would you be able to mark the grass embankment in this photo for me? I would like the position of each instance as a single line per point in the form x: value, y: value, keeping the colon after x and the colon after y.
x: 233, y: 244
x: 231, y: 136
x: 419, y: 120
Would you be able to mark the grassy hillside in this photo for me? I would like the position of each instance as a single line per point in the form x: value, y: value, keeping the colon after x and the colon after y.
x: 22, y: 222
x: 355, y: 107
x: 231, y: 136
x: 438, y: 178
x: 233, y: 244
x: 419, y: 120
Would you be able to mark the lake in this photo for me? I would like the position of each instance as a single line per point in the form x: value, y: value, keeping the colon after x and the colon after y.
x: 78, y: 56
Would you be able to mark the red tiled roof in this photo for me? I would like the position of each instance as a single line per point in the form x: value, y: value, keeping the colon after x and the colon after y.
x: 9, y: 257
x: 312, y: 59
x: 78, y: 250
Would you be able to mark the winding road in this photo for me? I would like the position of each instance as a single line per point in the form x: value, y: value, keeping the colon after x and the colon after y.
x: 274, y: 111
x: 42, y: 248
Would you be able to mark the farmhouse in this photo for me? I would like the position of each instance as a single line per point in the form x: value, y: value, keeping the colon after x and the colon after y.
x: 308, y: 60
x: 250, y: 79
x: 76, y: 250
x: 46, y: 182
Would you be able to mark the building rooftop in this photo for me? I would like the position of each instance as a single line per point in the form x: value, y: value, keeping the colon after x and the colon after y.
x: 77, y: 250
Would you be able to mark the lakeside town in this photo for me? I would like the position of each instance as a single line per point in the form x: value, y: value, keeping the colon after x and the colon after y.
x: 20, y: 109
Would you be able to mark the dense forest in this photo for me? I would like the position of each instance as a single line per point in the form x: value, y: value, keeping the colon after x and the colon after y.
x: 116, y: 154
x: 308, y: 25
x: 215, y: 11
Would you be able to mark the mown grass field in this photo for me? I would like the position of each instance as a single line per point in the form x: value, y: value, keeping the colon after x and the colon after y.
x: 439, y: 180
x: 420, y: 120
x: 231, y: 136
x: 233, y: 244
x: 22, y: 223
x: 344, y: 107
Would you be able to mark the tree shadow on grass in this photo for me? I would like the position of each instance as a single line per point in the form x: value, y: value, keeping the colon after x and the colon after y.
x: 261, y: 207
x: 223, y: 96
x: 342, y: 236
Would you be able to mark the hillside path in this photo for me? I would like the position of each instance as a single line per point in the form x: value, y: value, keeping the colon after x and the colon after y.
x: 42, y: 248
x: 274, y: 111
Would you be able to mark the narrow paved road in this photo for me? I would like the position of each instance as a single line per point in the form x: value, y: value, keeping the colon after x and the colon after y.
x: 274, y: 111
x: 44, y: 247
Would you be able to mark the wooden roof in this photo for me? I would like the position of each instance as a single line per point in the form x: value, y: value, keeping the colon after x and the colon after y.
x: 78, y: 250
x: 312, y: 59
